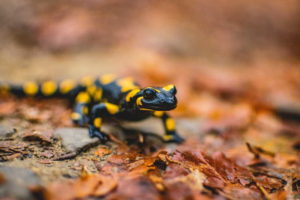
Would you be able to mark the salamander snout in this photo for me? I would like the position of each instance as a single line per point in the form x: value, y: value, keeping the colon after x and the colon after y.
x: 155, y: 98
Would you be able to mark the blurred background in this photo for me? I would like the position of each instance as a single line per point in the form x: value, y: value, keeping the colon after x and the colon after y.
x: 248, y: 49
x: 236, y: 66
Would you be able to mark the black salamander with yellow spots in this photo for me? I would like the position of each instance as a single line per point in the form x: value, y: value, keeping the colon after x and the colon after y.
x: 107, y: 97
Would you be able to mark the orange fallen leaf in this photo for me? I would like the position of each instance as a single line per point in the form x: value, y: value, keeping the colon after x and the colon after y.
x: 89, y: 185
x: 102, y: 151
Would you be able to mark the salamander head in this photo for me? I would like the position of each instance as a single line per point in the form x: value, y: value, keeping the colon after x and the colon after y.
x: 157, y: 98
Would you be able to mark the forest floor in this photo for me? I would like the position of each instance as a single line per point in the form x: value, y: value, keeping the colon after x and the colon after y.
x: 241, y: 126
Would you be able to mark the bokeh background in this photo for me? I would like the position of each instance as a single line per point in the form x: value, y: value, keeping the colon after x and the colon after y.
x: 235, y: 64
x: 220, y: 46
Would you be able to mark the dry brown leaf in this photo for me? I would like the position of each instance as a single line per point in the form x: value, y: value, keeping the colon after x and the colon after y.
x: 90, y: 185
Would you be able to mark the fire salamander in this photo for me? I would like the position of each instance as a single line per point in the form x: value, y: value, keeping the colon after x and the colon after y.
x: 105, y: 97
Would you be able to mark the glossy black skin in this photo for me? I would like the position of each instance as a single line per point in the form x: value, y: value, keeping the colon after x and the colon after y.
x: 162, y: 101
x: 143, y: 104
x: 153, y: 99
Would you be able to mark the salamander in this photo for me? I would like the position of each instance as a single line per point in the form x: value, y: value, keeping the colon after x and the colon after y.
x: 106, y: 97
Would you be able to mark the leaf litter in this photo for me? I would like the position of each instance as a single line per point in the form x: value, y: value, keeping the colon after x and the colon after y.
x: 242, y: 150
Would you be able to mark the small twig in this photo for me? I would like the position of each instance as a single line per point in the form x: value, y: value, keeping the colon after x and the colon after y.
x: 256, y: 151
x: 66, y: 156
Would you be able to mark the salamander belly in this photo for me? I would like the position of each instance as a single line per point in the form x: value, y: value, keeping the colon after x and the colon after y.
x: 133, y: 116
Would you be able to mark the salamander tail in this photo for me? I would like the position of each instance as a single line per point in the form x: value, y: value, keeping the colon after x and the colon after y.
x: 45, y: 89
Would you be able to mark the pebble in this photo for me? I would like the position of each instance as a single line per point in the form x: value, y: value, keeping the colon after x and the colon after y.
x: 75, y: 139
x: 184, y: 126
x: 6, y: 131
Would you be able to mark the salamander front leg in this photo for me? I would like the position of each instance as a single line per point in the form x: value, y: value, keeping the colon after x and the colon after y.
x: 99, y: 112
x: 81, y: 109
x: 169, y: 126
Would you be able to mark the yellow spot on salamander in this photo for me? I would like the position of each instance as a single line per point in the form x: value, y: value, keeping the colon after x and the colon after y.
x: 147, y: 109
x: 85, y: 110
x: 49, y: 88
x: 106, y: 79
x: 75, y: 116
x: 131, y: 94
x: 170, y: 124
x: 158, y: 113
x: 168, y: 87
x: 168, y: 137
x: 66, y: 86
x: 87, y: 80
x: 112, y: 108
x: 126, y: 84
x: 139, y: 101
x: 128, y: 87
x: 153, y: 89
x: 30, y: 88
x: 83, y: 97
x: 98, y: 122
x: 98, y: 94
x: 91, y: 89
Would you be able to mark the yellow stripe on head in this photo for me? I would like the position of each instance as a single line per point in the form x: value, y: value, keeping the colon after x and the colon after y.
x: 139, y: 101
x: 131, y: 94
x: 112, y: 108
x: 30, y: 88
x: 83, y: 97
x: 152, y: 89
x: 66, y: 86
x: 169, y: 87
x: 106, y: 79
x: 170, y: 124
x: 49, y: 88
x: 87, y: 80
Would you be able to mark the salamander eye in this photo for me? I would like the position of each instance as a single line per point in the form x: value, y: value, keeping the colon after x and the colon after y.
x: 149, y: 93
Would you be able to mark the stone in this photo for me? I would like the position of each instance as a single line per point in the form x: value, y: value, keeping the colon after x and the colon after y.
x: 16, y: 182
x: 151, y: 125
x: 190, y: 127
x: 6, y: 131
x: 184, y: 126
x: 75, y: 139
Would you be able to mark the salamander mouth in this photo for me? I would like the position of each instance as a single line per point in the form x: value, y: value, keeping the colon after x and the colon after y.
x: 161, y: 108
